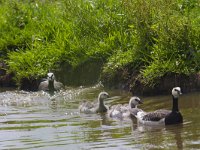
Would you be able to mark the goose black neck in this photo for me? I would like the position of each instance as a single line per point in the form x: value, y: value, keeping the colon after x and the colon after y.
x: 51, y: 86
x: 175, y: 104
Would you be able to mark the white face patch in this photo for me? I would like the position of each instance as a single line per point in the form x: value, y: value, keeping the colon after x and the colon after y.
x: 50, y: 76
x: 134, y: 101
x: 176, y: 91
x: 103, y: 95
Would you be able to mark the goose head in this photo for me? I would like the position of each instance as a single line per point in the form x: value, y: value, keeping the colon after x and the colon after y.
x: 102, y: 96
x: 50, y: 76
x: 176, y: 92
x: 134, y: 101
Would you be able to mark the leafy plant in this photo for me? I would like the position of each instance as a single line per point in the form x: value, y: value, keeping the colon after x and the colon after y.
x: 152, y: 37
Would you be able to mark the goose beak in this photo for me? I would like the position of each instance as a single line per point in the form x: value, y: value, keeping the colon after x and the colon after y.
x: 140, y: 102
x: 180, y: 93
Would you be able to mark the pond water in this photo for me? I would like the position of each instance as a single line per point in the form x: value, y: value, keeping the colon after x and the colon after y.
x: 35, y: 120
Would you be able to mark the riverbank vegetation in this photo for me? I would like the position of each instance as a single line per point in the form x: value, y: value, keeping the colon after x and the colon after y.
x: 145, y: 38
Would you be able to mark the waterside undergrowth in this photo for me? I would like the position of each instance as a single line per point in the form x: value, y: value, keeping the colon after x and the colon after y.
x: 144, y: 38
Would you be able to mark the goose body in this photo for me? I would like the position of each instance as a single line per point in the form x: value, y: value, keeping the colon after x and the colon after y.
x: 161, y: 117
x: 50, y: 84
x: 99, y: 107
x: 122, y: 111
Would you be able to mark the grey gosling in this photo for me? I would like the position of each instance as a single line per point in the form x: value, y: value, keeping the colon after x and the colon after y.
x: 99, y: 107
x: 123, y: 111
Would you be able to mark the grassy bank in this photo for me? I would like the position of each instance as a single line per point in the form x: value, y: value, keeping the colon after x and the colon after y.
x: 148, y: 38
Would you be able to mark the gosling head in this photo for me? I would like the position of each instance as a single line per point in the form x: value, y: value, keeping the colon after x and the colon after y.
x: 50, y: 76
x: 103, y: 96
x: 176, y: 92
x: 134, y: 101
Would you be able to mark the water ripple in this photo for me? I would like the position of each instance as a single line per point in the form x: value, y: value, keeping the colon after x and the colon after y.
x: 37, y: 120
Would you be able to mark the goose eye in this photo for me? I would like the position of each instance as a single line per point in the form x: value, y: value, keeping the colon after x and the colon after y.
x: 137, y: 100
x: 104, y: 95
x: 177, y: 90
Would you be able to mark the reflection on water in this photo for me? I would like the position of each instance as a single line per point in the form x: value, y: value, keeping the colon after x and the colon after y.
x: 32, y: 120
x: 159, y: 137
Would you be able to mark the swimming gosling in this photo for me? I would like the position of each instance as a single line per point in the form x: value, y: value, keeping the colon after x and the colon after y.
x: 99, y: 107
x: 123, y: 111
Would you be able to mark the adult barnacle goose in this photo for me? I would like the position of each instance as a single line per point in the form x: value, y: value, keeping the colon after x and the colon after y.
x: 50, y: 84
x: 161, y: 117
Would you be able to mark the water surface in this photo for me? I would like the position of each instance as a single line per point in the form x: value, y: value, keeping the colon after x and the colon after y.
x: 35, y: 120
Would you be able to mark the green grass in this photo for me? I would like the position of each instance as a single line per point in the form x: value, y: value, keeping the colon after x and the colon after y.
x: 154, y: 37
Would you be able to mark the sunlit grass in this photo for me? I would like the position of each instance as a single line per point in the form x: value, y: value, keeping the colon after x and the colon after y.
x: 152, y: 37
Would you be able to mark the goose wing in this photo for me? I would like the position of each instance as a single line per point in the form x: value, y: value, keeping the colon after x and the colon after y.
x: 134, y: 111
x: 115, y: 111
x: 154, y: 116
x: 112, y: 107
x: 125, y: 108
x: 163, y: 111
x: 86, y: 107
x: 125, y: 111
x: 43, y: 86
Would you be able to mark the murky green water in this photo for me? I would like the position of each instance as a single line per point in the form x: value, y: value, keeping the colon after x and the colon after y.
x: 37, y: 121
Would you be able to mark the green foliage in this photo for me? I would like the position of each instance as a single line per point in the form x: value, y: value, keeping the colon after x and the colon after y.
x: 40, y: 34
x: 118, y: 61
x: 176, y: 48
x: 154, y: 37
